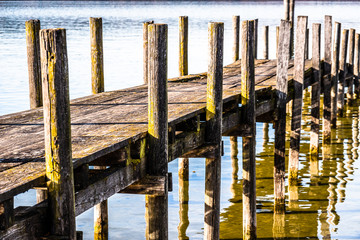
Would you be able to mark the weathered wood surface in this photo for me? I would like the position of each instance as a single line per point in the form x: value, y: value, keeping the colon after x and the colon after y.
x: 335, y: 73
x: 183, y: 45
x: 145, y: 50
x: 266, y: 42
x: 236, y: 37
x: 342, y: 72
x: 350, y: 69
x: 356, y: 66
x: 97, y: 59
x: 327, y: 80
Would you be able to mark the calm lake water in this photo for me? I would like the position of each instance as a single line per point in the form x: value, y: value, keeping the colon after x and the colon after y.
x: 328, y: 192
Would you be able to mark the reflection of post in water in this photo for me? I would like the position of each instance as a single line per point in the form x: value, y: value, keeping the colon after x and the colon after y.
x: 234, y: 162
x: 183, y: 197
x: 325, y: 223
x: 266, y: 134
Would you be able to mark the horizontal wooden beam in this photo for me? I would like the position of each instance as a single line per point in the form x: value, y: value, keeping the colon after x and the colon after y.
x: 149, y: 185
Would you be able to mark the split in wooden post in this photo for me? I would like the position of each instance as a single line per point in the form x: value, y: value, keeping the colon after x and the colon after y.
x: 58, y: 153
x: 157, y: 206
x: 236, y: 37
x: 342, y: 72
x: 183, y: 197
x: 299, y: 65
x: 350, y: 92
x: 356, y: 66
x: 33, y: 58
x: 327, y: 79
x: 183, y: 45
x: 248, y: 120
x: 266, y: 42
x: 315, y: 91
x: 214, y: 105
x: 97, y: 62
x: 146, y: 51
x: 280, y: 111
x: 335, y: 73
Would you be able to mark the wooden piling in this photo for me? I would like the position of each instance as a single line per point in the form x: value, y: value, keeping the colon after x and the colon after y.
x: 57, y: 130
x: 146, y: 51
x: 256, y: 22
x: 183, y: 45
x: 248, y: 119
x: 289, y: 6
x: 356, y: 66
x: 335, y: 73
x: 315, y: 91
x: 342, y: 72
x: 299, y: 64
x: 97, y: 62
x: 327, y: 79
x: 183, y: 197
x: 157, y: 206
x: 33, y: 58
x: 7, y: 214
x: 214, y: 105
x: 307, y: 44
x: 280, y: 123
x: 350, y: 92
x: 266, y: 42
x: 236, y: 36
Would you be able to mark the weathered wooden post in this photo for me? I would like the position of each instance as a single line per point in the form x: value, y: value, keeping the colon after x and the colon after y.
x: 327, y: 79
x: 146, y: 51
x: 350, y: 92
x: 335, y: 73
x: 183, y: 45
x: 280, y: 123
x: 157, y: 206
x: 236, y: 36
x: 299, y: 64
x: 343, y: 72
x: 97, y: 66
x: 33, y: 57
x: 307, y: 44
x: 289, y: 6
x: 58, y: 154
x: 356, y: 66
x: 277, y: 40
x: 315, y: 91
x: 266, y: 42
x: 256, y: 22
x: 101, y: 231
x: 213, y: 130
x: 248, y: 119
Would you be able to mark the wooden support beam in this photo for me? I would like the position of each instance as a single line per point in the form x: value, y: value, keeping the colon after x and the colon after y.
x: 327, y: 79
x: 335, y: 73
x: 299, y: 64
x: 248, y: 119
x: 280, y: 116
x: 97, y: 61
x: 58, y: 153
x: 149, y: 185
x: 356, y: 66
x: 33, y: 58
x: 315, y: 91
x: 342, y: 72
x: 183, y: 45
x: 6, y: 214
x: 266, y: 42
x: 350, y: 69
x: 157, y: 206
x: 146, y: 51
x: 236, y: 37
x: 214, y: 104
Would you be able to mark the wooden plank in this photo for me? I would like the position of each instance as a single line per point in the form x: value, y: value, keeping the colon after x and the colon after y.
x: 280, y: 115
x: 342, y: 72
x: 149, y: 185
x: 183, y: 45
x: 335, y: 73
x: 236, y: 37
x: 97, y: 62
x: 59, y: 167
x: 298, y: 98
x: 327, y: 79
x: 214, y: 104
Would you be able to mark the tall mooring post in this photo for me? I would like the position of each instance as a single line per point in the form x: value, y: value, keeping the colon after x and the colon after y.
x: 214, y: 105
x: 236, y: 37
x: 58, y: 154
x: 335, y: 73
x: 157, y: 206
x: 146, y: 51
x: 289, y: 7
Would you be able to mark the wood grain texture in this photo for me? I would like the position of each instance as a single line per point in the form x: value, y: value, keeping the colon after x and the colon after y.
x: 335, y: 73
x: 280, y: 114
x: 236, y: 37
x: 299, y: 64
x: 183, y: 45
x: 57, y: 132
x: 97, y: 55
x: 350, y: 68
x: 327, y: 79
x: 145, y: 50
x: 214, y: 105
x: 266, y: 42
x: 342, y: 72
x: 32, y: 28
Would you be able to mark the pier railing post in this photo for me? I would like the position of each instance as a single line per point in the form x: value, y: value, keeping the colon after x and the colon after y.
x: 146, y: 51
x: 248, y: 119
x: 342, y: 72
x: 280, y: 123
x: 335, y: 73
x: 315, y: 91
x: 327, y: 79
x: 214, y: 105
x: 299, y: 65
x: 33, y: 57
x: 350, y: 92
x: 157, y: 206
x: 58, y: 153
x: 356, y: 66
x: 183, y: 45
x: 236, y: 37
x: 266, y: 42
x: 97, y: 67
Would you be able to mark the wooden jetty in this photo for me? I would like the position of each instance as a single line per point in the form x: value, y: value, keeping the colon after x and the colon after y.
x: 121, y: 141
